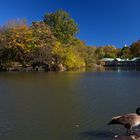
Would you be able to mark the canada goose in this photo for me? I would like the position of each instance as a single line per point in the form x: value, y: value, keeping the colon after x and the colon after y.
x: 128, y: 121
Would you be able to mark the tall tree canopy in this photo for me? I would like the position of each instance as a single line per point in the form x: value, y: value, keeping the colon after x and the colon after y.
x: 62, y: 25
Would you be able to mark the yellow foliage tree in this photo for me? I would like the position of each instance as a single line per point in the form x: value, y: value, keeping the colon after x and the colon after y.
x: 20, y: 41
x: 67, y: 56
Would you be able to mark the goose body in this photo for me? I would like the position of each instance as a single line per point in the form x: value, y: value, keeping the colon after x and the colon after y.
x: 128, y: 121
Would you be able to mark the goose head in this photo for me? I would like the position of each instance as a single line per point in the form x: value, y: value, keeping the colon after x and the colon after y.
x: 138, y: 111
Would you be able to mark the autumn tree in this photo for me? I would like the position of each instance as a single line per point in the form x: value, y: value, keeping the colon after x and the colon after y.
x: 19, y: 42
x: 135, y: 49
x: 51, y: 41
x: 90, y: 56
x: 14, y: 23
x: 43, y: 44
x: 68, y: 56
x: 99, y: 52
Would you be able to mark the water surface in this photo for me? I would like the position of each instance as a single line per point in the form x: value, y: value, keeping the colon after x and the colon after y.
x: 65, y: 106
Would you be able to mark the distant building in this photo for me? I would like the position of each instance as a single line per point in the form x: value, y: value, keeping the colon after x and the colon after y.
x: 121, y: 62
x: 107, y: 61
x: 136, y: 61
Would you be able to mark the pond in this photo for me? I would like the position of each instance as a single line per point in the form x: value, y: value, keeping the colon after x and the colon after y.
x: 66, y: 105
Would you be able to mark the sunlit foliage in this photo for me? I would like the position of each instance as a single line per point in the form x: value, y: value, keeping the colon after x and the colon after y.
x: 18, y: 42
x: 62, y: 25
x: 53, y: 41
x: 135, y: 49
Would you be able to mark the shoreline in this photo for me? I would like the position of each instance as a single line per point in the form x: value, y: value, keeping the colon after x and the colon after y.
x: 43, y: 69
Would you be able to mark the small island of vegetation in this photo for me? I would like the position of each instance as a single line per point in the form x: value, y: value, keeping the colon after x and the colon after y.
x: 52, y: 45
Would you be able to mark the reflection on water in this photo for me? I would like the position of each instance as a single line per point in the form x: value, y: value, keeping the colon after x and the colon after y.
x: 65, y: 106
x: 119, y: 69
x: 134, y: 136
x: 109, y: 135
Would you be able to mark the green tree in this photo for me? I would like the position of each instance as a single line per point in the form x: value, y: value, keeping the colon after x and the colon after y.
x: 110, y: 51
x: 125, y: 52
x: 106, y: 52
x: 62, y: 25
x: 99, y: 53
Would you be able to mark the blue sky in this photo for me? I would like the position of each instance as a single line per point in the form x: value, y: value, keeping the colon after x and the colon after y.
x: 101, y: 22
